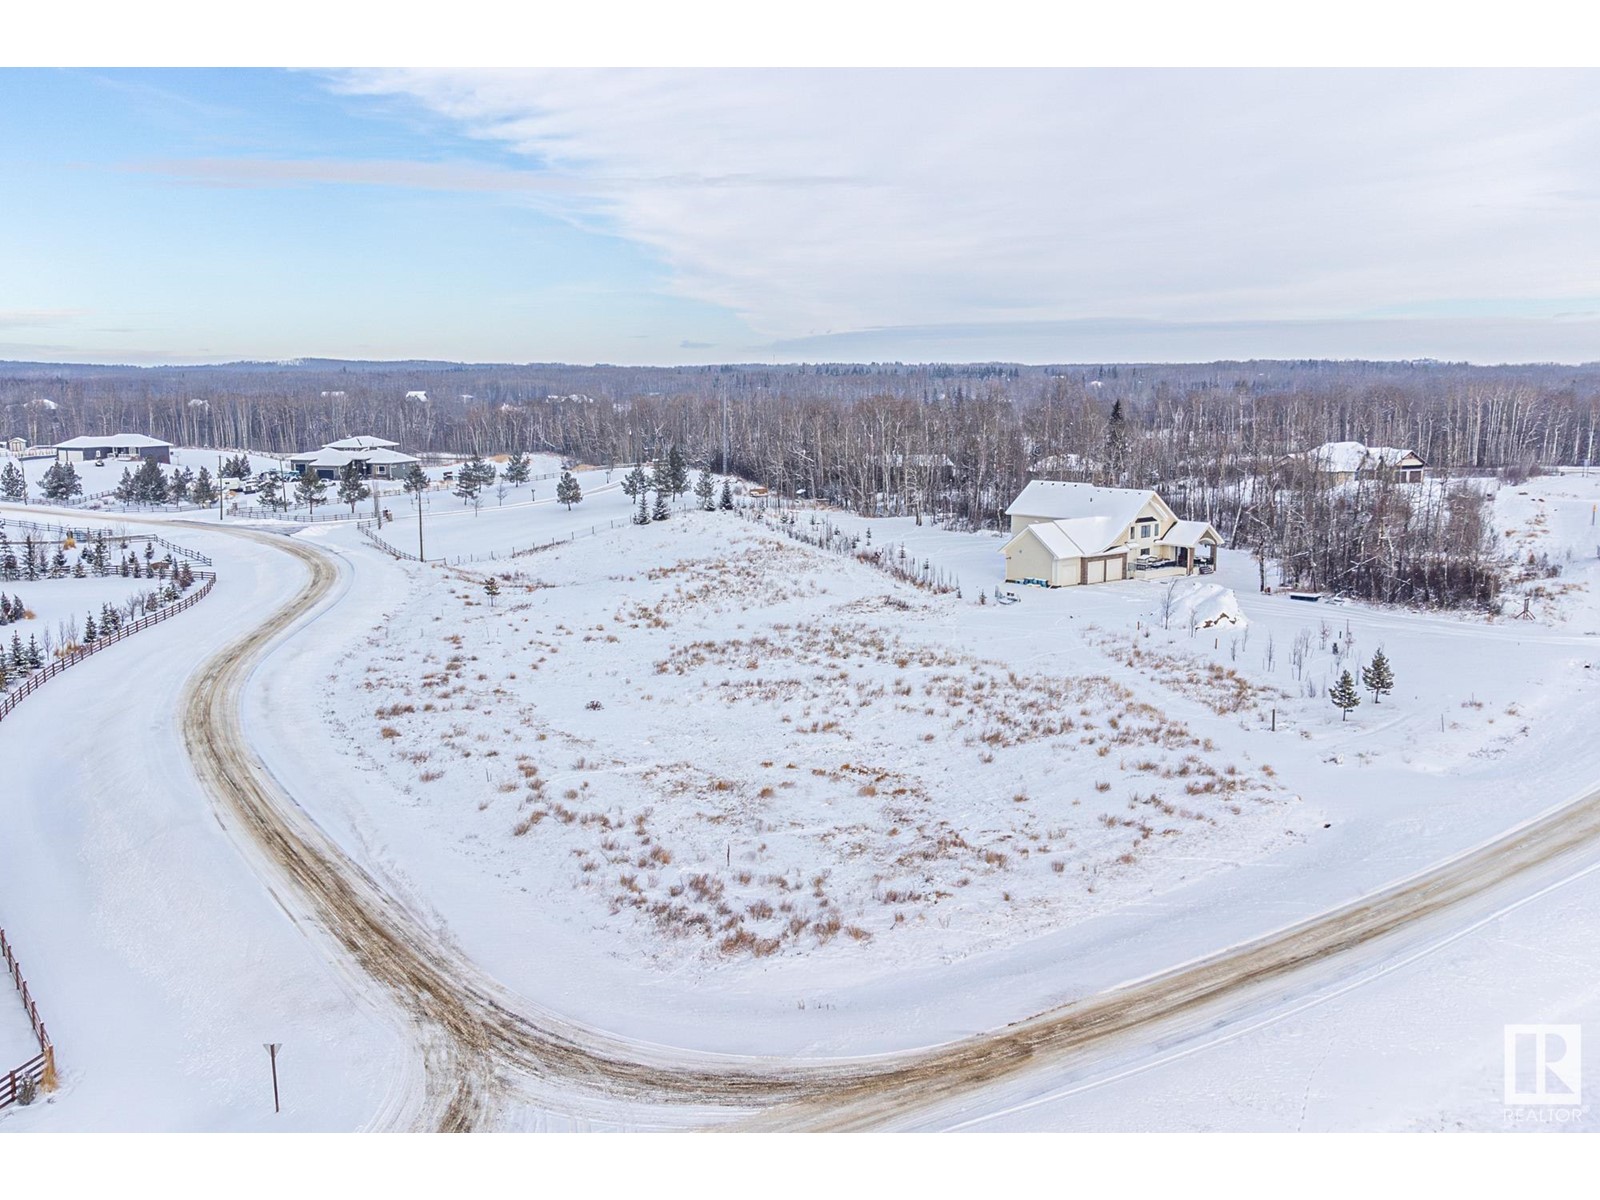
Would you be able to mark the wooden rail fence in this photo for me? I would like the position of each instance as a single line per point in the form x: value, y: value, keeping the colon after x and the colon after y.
x: 14, y: 696
x: 367, y: 531
x: 84, y: 533
x: 41, y: 1068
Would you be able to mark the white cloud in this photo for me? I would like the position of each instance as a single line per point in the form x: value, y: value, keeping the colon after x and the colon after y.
x: 818, y: 202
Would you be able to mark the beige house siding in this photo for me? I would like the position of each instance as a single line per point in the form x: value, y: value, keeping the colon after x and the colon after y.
x: 1029, y: 559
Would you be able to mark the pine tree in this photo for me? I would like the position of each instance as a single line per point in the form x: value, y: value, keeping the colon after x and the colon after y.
x: 204, y: 492
x: 1379, y: 677
x: 149, y: 484
x: 13, y: 484
x: 517, y: 469
x: 91, y: 630
x: 634, y: 482
x: 1117, y: 441
x: 309, y: 489
x: 1344, y: 695
x: 126, y: 492
x: 677, y: 473
x: 641, y: 515
x: 237, y: 467
x: 725, y: 501
x: 471, y: 478
x: 180, y: 485
x: 705, y: 491
x: 352, y: 488
x: 567, y: 490
x: 491, y: 589
x: 661, y: 512
x: 61, y: 483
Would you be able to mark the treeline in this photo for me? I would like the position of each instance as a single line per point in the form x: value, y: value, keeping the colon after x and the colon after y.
x: 952, y: 443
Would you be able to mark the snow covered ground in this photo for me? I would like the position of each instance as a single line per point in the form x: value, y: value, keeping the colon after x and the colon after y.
x: 546, y: 837
x: 1460, y: 751
x: 159, y: 960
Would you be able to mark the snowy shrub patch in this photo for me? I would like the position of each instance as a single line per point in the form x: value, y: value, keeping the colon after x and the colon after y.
x: 749, y: 752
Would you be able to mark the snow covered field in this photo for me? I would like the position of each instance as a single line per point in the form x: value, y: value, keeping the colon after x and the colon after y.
x: 820, y: 812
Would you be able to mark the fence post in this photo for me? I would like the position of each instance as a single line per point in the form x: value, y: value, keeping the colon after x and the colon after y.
x: 49, y: 1081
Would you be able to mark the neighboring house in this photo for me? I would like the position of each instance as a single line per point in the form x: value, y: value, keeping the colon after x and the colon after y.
x: 1069, y: 534
x: 374, y: 457
x: 17, y: 446
x: 1345, y: 461
x: 120, y: 446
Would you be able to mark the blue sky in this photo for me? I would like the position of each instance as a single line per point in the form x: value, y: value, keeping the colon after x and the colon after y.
x: 631, y: 217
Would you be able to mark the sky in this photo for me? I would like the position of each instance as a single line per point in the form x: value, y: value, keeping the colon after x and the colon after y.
x: 171, y: 216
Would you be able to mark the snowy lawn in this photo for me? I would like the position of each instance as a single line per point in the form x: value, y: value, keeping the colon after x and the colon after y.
x: 754, y: 748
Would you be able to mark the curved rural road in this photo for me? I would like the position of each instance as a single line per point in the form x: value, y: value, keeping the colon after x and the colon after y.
x: 475, y: 1038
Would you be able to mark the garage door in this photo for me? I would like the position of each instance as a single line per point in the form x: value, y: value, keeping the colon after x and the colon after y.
x: 1097, y: 570
x: 1116, y: 568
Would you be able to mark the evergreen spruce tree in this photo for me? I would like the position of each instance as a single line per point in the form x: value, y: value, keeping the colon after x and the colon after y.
x: 518, y: 469
x: 1378, y: 678
x: 237, y: 467
x: 309, y: 489
x: 180, y: 485
x: 35, y: 655
x: 126, y: 492
x: 705, y: 491
x: 61, y: 483
x: 19, y: 656
x: 641, y: 515
x: 204, y: 492
x: 352, y: 488
x: 1344, y: 695
x: 634, y: 482
x: 13, y: 484
x: 491, y: 589
x: 677, y: 473
x: 725, y: 501
x: 660, y: 512
x: 567, y: 490
x: 149, y: 484
x: 91, y: 630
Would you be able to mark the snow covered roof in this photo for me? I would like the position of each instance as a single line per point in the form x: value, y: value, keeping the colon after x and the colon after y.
x: 361, y: 442
x: 383, y: 456
x: 119, y: 439
x: 1057, y: 500
x: 332, y: 456
x: 1077, y: 537
x: 326, y: 457
x: 1348, y: 458
x: 1189, y: 534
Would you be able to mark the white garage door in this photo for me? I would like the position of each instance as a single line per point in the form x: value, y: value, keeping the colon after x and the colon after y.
x: 1116, y: 568
x: 1097, y: 570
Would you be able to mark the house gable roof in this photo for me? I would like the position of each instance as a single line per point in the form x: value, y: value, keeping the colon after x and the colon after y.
x: 1059, y: 500
x: 120, y: 439
x: 1190, y: 534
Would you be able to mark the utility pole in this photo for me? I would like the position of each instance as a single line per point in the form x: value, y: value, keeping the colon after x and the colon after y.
x: 221, y: 491
x: 420, y: 556
x: 272, y: 1049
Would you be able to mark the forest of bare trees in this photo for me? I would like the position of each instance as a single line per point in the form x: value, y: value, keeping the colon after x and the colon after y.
x: 947, y: 443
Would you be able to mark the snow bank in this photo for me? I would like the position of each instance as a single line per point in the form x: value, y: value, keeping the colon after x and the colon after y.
x: 1204, y: 605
